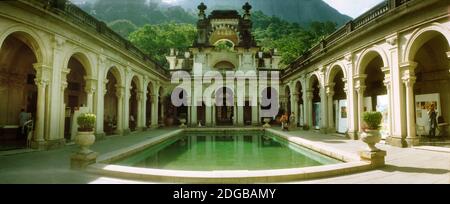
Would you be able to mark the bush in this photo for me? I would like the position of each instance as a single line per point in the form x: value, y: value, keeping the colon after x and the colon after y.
x: 372, y: 120
x: 86, y: 122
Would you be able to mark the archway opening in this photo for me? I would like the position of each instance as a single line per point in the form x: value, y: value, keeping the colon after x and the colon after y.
x: 316, y: 103
x: 432, y: 83
x: 17, y: 90
x: 111, y: 102
x: 133, y: 104
x: 224, y: 106
x: 300, y: 104
x: 74, y: 95
x: 375, y: 93
x: 224, y: 65
x: 340, y: 107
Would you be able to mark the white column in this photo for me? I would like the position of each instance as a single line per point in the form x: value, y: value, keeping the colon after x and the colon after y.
x: 255, y: 117
x: 40, y: 115
x: 90, y: 90
x: 240, y: 114
x: 126, y: 108
x: 139, y: 97
x: 360, y: 89
x: 330, y: 94
x: 155, y: 102
x: 143, y: 111
x: 387, y: 83
x: 214, y: 114
x: 308, y: 106
x: 64, y: 84
x: 193, y: 112
x: 208, y: 116
x: 323, y: 110
x: 409, y: 79
x: 120, y: 109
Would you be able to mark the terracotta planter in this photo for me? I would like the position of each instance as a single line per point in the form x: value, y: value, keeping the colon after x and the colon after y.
x: 85, y: 140
x: 371, y: 138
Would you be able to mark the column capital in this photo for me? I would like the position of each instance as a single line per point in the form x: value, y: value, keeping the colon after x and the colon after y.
x: 309, y: 94
x: 409, y: 65
x: 41, y: 82
x: 63, y: 86
x: 360, y: 89
x: 386, y: 70
x: 120, y: 92
x: 409, y: 81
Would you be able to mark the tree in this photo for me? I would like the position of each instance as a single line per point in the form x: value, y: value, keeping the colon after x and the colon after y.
x: 123, y: 27
x: 156, y: 40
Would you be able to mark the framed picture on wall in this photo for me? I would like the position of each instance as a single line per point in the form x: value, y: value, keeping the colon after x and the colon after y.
x: 343, y: 112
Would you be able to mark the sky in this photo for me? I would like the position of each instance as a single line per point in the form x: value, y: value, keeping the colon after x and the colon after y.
x: 352, y: 8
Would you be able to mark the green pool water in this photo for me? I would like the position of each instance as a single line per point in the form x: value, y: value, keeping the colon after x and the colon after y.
x: 218, y: 151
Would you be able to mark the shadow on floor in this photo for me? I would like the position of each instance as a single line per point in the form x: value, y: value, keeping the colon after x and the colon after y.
x: 392, y: 168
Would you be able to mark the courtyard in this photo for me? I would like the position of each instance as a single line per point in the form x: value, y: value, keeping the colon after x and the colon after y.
x: 364, y: 101
x: 421, y: 165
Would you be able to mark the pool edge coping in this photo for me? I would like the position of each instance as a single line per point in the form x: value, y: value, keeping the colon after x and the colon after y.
x: 351, y: 164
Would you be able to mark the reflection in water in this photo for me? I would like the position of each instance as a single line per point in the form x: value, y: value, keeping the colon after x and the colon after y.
x: 224, y: 152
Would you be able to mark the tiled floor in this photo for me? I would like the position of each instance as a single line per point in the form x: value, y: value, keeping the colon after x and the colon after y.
x: 403, y: 165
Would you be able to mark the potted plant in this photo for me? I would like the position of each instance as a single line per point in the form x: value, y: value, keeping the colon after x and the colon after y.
x: 85, y: 137
x: 371, y: 132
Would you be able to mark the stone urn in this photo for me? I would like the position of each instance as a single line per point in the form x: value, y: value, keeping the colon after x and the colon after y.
x: 371, y: 134
x: 266, y: 121
x: 371, y: 138
x: 85, y: 140
x: 183, y: 123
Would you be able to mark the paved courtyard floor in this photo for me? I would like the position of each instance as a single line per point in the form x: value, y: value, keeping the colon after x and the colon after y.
x: 410, y: 165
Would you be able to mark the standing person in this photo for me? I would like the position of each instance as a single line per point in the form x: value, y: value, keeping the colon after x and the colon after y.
x: 432, y: 115
x: 23, y: 118
x: 284, y: 120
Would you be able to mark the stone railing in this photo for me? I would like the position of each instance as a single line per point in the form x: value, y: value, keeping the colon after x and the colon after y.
x: 342, y: 33
x: 74, y: 14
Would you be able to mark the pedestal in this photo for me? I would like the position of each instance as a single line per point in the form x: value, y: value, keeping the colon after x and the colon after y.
x: 376, y: 159
x: 79, y: 161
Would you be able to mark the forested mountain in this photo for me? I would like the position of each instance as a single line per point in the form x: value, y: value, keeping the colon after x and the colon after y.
x: 295, y: 11
x: 155, y: 27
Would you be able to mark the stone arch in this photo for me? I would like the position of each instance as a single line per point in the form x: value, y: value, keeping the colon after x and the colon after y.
x: 83, y: 58
x: 30, y: 38
x: 427, y: 52
x: 224, y: 64
x: 311, y: 81
x: 134, y: 105
x: 421, y: 36
x: 333, y: 70
x: 367, y: 56
x: 137, y: 80
x: 118, y: 74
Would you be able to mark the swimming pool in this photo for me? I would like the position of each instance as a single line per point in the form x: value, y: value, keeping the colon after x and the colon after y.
x: 226, y: 150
